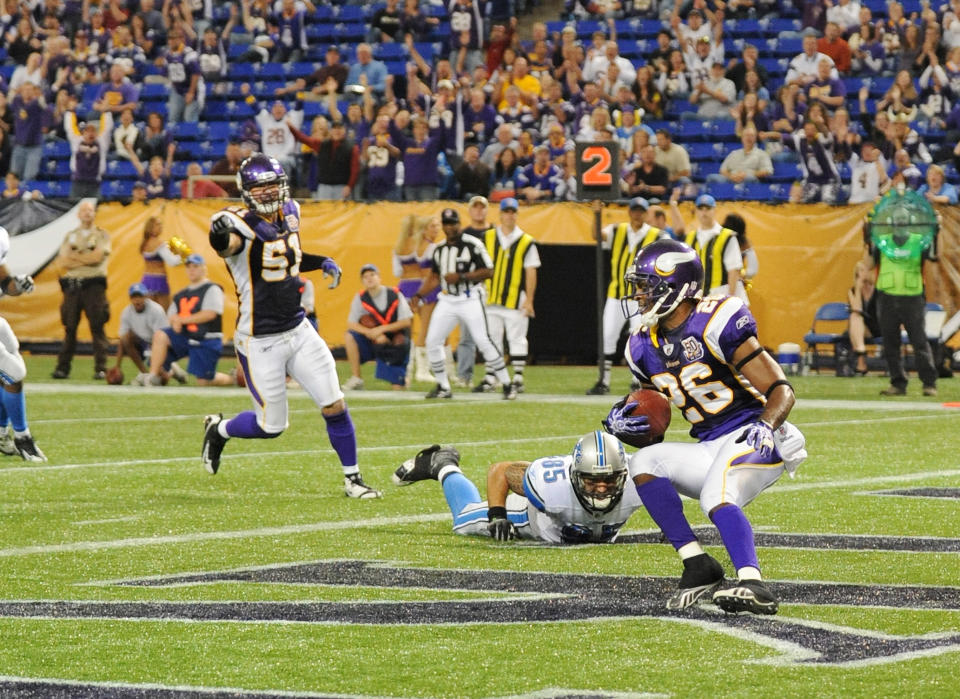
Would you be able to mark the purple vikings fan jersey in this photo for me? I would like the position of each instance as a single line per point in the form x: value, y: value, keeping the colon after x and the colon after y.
x: 693, y: 366
x: 556, y: 515
x: 266, y: 270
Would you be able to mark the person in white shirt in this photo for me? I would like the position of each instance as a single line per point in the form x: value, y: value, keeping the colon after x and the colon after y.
x: 804, y: 67
x: 138, y: 323
x: 596, y: 67
x: 125, y: 135
x: 845, y: 13
x: 868, y: 174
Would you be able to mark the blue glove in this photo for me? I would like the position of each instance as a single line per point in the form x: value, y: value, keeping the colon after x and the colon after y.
x: 331, y: 269
x: 621, y: 422
x: 759, y: 435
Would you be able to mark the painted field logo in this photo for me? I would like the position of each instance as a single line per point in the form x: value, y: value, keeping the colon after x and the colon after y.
x: 546, y: 597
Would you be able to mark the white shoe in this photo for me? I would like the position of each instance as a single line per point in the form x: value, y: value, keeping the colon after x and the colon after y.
x: 141, y: 379
x: 354, y: 487
x: 7, y: 446
x: 178, y: 374
x: 354, y: 383
x: 461, y: 383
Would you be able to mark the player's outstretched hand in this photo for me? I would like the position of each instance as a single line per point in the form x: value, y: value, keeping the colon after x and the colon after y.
x: 23, y: 283
x: 332, y: 270
x: 620, y: 422
x: 500, y: 528
x: 759, y: 435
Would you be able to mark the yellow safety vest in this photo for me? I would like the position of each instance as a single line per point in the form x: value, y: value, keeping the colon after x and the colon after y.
x: 621, y: 257
x: 711, y: 256
x: 503, y: 289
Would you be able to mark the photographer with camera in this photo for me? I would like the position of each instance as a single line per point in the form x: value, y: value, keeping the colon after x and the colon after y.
x: 83, y: 256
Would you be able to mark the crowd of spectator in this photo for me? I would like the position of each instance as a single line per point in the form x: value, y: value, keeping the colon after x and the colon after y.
x: 418, y: 100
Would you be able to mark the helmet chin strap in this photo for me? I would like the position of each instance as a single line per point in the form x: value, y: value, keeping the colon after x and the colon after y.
x: 651, y: 318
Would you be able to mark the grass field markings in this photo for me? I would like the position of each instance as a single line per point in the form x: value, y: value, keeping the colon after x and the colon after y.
x: 582, y: 597
x: 109, y: 520
x: 52, y: 686
x: 930, y: 493
x: 412, y: 448
x: 784, y: 485
x: 49, y: 686
x: 290, y: 529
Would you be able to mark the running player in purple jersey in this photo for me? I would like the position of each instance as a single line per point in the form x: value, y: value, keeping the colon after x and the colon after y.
x: 703, y: 354
x: 260, y: 244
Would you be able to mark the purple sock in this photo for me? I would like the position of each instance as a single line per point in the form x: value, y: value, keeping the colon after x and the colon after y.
x: 737, y: 535
x: 343, y: 438
x: 245, y: 426
x: 664, y: 506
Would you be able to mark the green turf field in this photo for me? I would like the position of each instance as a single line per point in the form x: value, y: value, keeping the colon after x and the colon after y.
x: 127, y: 570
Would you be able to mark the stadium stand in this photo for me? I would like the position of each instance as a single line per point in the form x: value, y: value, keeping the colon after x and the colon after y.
x: 773, y: 28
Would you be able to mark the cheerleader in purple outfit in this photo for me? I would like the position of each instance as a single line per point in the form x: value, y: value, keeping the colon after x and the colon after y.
x: 411, y: 263
x: 156, y: 256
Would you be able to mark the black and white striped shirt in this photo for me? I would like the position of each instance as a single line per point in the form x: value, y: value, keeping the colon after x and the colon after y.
x: 462, y: 257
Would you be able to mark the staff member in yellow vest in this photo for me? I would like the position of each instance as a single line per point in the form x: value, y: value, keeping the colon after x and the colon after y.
x: 510, y: 291
x: 623, y: 240
x: 83, y: 256
x: 718, y: 248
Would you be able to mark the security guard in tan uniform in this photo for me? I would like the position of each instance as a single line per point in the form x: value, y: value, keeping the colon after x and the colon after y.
x: 83, y: 256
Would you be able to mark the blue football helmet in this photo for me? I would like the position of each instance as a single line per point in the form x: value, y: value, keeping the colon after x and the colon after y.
x: 663, y: 274
x: 599, y: 471
x: 261, y: 170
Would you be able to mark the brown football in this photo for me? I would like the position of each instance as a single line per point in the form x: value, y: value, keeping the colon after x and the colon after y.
x: 114, y: 376
x: 656, y: 407
x: 368, y: 321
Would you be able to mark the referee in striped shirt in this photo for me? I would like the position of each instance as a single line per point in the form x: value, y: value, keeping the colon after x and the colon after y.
x: 459, y: 266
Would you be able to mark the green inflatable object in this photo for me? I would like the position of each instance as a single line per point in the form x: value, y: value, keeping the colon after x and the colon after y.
x: 903, y: 225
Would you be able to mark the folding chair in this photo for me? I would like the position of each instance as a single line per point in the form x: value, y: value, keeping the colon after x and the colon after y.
x: 830, y: 314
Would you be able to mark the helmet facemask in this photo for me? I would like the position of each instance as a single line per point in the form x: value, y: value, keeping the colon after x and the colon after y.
x: 599, y: 472
x: 264, y: 174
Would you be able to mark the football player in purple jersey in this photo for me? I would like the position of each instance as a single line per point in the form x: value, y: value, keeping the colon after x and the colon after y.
x: 703, y: 354
x: 260, y: 243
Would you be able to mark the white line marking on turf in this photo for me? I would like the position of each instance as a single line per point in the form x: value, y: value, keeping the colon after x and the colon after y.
x: 220, y: 535
x: 109, y: 520
x: 293, y: 452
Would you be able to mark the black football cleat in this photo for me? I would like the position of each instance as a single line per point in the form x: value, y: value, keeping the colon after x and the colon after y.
x: 702, y: 575
x: 213, y: 443
x: 426, y: 465
x: 28, y: 449
x: 354, y: 487
x: 439, y: 391
x: 598, y: 389
x: 750, y: 596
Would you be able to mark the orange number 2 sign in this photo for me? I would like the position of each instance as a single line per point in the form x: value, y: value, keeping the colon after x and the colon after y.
x: 598, y: 174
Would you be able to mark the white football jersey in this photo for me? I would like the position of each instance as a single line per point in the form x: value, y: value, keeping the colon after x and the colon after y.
x: 555, y: 513
x: 4, y: 245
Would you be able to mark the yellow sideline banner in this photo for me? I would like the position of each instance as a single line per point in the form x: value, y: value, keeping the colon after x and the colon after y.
x: 806, y: 253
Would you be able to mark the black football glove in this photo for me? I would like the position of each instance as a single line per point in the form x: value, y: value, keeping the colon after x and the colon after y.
x: 499, y: 526
x: 220, y: 230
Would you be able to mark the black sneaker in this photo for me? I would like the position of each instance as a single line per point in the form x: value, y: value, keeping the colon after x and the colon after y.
x: 99, y: 375
x: 702, y: 575
x: 61, y: 374
x: 426, y: 465
x: 439, y: 391
x: 213, y: 443
x: 892, y: 390
x: 510, y: 391
x: 748, y: 596
x: 354, y: 487
x: 483, y: 387
x: 28, y: 449
x: 598, y: 389
x: 519, y: 385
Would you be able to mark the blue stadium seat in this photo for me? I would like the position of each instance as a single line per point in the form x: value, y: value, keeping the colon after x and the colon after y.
x: 352, y: 31
x: 702, y: 169
x: 212, y: 149
x: 49, y: 188
x: 632, y: 48
x: 693, y: 131
x: 773, y: 66
x: 323, y: 33
x: 758, y: 191
x: 269, y: 71
x: 350, y: 13
x: 236, y: 50
x: 56, y: 149
x: 314, y: 109
x: 724, y: 130
x: 90, y: 92
x: 154, y: 91
x: 55, y: 169
x: 240, y: 110
x: 396, y: 67
x: 6, y: 72
x: 879, y: 84
x: 586, y: 27
x: 704, y: 151
x: 186, y: 131
x: 648, y: 28
x: 240, y: 71
x: 725, y: 191
x: 626, y: 28
x: 787, y: 46
x: 774, y: 26
x: 390, y: 51
x: 121, y: 170
x: 117, y: 189
x: 219, y: 130
x: 215, y: 110
x: 154, y: 106
x: 784, y: 171
x: 323, y: 13
x: 299, y: 70
x: 178, y: 170
x: 745, y: 28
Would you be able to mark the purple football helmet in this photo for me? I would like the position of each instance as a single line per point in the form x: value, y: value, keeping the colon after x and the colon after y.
x: 262, y: 172
x: 663, y: 274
